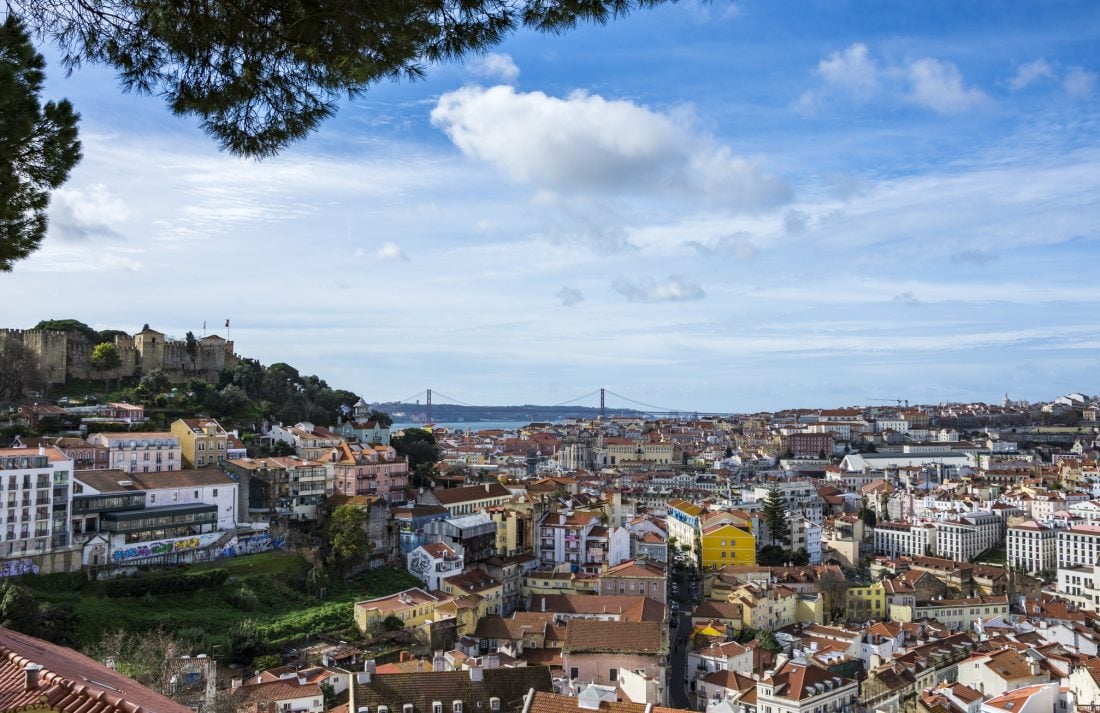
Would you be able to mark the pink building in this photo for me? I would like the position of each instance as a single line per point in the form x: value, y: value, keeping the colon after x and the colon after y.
x: 373, y: 470
x: 597, y: 651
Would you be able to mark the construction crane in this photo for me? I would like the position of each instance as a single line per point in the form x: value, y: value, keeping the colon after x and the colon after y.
x: 899, y: 402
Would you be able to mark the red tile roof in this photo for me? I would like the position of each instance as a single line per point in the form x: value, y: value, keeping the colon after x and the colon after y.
x: 70, y: 682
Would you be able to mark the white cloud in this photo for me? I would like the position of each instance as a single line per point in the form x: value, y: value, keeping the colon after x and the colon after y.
x: 569, y: 296
x: 390, y: 251
x: 1079, y: 82
x: 1030, y: 72
x: 79, y: 214
x: 584, y: 143
x: 855, y: 74
x: 939, y: 85
x: 645, y: 289
x: 852, y: 71
x: 496, y: 66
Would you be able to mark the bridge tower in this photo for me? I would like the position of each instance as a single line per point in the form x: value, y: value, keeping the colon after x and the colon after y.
x: 429, y: 405
x: 603, y: 411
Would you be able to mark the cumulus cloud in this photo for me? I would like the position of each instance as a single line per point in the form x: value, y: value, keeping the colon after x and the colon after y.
x: 939, y: 86
x: 1079, y: 82
x: 853, y: 73
x: 569, y: 296
x: 1030, y: 72
x: 500, y: 67
x: 78, y: 215
x: 584, y: 144
x: 645, y: 289
x: 391, y: 251
x: 851, y: 70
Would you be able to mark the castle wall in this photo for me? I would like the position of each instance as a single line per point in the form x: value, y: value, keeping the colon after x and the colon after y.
x: 50, y: 349
x: 62, y: 357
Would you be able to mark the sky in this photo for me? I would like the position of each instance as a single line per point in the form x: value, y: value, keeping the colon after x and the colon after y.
x: 704, y: 206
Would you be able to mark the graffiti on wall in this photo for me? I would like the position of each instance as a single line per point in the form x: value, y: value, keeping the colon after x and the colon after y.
x: 252, y: 544
x: 142, y: 550
x: 14, y: 568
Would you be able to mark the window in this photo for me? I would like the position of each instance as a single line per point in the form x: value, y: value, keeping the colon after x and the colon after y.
x: 437, y: 707
x: 574, y: 673
x: 613, y: 674
x: 456, y: 706
x: 215, y: 492
x: 494, y: 704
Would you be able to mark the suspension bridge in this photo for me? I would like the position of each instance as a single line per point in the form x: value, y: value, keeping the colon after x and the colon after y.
x: 602, y: 400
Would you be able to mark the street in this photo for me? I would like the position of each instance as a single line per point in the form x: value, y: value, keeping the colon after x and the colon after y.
x: 678, y: 641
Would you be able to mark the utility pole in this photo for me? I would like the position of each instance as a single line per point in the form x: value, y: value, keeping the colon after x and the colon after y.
x: 429, y: 405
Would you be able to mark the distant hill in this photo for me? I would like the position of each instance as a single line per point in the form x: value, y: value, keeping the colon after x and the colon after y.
x: 452, y: 413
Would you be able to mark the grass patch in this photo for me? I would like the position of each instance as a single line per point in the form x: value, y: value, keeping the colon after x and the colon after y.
x: 269, y: 588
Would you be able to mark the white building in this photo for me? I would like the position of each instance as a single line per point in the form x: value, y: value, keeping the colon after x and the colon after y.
x: 433, y: 562
x: 1079, y: 544
x: 37, y: 492
x: 799, y: 687
x: 1032, y: 547
x: 811, y: 533
x: 148, y: 452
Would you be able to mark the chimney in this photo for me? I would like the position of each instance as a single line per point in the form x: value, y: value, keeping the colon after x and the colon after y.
x: 476, y: 674
x: 42, y: 452
x: 109, y: 662
x: 437, y: 662
x: 30, y: 676
x: 486, y: 485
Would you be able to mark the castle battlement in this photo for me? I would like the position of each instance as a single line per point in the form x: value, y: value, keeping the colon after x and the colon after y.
x: 62, y: 356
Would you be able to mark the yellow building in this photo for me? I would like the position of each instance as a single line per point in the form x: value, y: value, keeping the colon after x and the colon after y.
x: 203, y: 441
x: 508, y: 529
x: 866, y: 603
x: 724, y: 543
x: 477, y: 582
x: 412, y: 606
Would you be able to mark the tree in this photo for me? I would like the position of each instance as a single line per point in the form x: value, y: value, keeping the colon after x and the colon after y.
x: 832, y: 586
x: 192, y: 346
x: 392, y: 623
x: 418, y: 445
x: 147, y: 657
x: 154, y: 382
x: 245, y: 643
x: 347, y: 534
x: 71, y: 327
x: 282, y: 448
x: 772, y: 556
x: 19, y: 371
x: 38, y: 144
x: 776, y: 517
x: 105, y: 358
x: 262, y: 74
x: 382, y: 418
x: 768, y: 642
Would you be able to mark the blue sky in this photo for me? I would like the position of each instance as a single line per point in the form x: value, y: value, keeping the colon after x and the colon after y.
x: 727, y: 206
